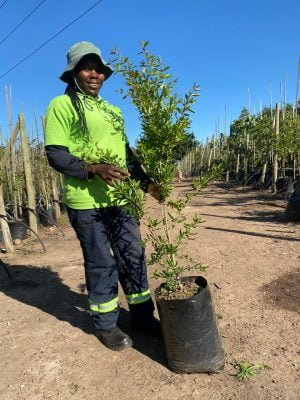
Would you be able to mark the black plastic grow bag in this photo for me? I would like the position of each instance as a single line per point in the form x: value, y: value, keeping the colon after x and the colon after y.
x: 292, y: 211
x: 191, y: 336
x: 17, y: 230
x: 46, y: 216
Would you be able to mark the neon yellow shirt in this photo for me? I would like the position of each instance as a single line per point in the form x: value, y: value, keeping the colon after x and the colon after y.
x: 106, y: 133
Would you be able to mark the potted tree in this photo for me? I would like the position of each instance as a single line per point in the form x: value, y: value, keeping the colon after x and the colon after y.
x: 191, y: 337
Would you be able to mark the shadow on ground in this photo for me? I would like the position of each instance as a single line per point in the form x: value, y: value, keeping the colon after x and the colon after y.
x: 42, y: 288
x: 284, y: 292
x: 258, y: 216
x: 235, y: 195
x: 248, y: 233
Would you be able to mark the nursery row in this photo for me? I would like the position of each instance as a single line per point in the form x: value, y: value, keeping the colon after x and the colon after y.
x: 29, y: 188
x: 261, y: 149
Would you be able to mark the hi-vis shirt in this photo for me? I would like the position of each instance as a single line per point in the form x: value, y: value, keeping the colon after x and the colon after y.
x: 106, y: 133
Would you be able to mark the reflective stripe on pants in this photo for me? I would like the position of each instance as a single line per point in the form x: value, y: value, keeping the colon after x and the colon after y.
x: 104, y: 307
x: 138, y: 298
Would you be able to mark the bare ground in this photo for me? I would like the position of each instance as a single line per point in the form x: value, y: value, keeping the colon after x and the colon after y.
x: 48, y: 350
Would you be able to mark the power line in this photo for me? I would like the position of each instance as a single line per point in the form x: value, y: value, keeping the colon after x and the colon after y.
x: 1, y: 5
x: 50, y: 39
x: 22, y: 22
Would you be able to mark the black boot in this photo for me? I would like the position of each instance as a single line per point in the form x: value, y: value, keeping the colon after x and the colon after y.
x: 114, y: 338
x: 143, y: 320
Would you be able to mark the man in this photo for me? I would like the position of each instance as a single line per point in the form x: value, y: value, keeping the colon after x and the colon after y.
x: 81, y: 123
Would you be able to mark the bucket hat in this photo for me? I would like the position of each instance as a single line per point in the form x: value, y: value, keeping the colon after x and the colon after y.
x: 75, y: 54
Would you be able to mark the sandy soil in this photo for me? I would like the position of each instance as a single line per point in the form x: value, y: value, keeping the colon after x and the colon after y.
x: 48, y: 350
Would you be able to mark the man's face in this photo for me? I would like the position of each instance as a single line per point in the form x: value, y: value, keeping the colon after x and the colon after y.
x: 89, y: 74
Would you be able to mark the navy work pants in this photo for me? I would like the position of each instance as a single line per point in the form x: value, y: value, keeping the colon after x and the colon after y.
x: 111, y: 244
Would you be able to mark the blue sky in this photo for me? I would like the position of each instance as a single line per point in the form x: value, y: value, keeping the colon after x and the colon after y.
x: 230, y: 48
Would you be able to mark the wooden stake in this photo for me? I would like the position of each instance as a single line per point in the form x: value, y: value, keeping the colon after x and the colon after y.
x: 12, y: 166
x: 275, y: 156
x: 28, y: 175
x: 12, y: 140
x: 271, y: 99
x: 263, y: 174
x: 297, y: 100
x: 55, y: 198
x: 4, y: 226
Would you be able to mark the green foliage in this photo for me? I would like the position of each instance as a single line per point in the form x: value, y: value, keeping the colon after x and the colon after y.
x: 168, y: 234
x: 263, y: 135
x: 214, y: 174
x: 199, y: 182
x: 166, y: 248
x: 288, y: 143
x: 246, y: 369
x: 253, y: 136
x: 187, y: 144
x: 164, y: 115
x: 240, y: 134
x: 128, y: 192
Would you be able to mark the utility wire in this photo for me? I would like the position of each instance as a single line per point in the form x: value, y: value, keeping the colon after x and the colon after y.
x: 1, y: 5
x: 22, y: 22
x: 50, y: 39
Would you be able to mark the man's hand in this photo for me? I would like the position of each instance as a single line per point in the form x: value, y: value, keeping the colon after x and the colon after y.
x: 108, y: 172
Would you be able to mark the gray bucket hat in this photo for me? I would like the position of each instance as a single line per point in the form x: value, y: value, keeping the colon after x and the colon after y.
x: 75, y: 54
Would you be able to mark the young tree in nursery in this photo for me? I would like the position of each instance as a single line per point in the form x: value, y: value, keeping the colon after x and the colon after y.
x: 288, y: 146
x: 240, y: 139
x: 263, y: 136
x: 165, y: 122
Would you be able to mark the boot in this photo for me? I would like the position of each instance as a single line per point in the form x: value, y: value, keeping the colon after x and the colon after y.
x: 114, y: 338
x: 143, y: 320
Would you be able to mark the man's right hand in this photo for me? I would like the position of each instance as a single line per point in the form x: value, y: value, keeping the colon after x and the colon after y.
x: 108, y: 172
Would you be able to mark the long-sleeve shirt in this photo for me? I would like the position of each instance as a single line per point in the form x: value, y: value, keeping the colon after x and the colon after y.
x: 69, y: 150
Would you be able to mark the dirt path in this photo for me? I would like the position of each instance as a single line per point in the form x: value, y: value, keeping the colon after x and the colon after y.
x: 48, y: 350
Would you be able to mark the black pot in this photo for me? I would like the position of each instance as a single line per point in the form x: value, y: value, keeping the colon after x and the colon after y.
x: 17, y: 230
x: 46, y: 217
x: 191, y: 337
x: 292, y: 211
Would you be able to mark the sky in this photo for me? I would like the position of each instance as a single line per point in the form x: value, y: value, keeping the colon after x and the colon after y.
x: 238, y: 52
